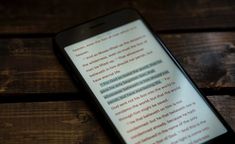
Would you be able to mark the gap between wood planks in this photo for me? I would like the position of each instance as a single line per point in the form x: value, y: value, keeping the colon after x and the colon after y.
x: 45, y: 97
x: 171, y: 31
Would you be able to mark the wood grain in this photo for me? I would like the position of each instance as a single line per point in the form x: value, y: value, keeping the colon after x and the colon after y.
x: 25, y: 16
x: 208, y: 57
x: 28, y: 65
x: 29, y: 68
x: 69, y: 122
x: 50, y: 123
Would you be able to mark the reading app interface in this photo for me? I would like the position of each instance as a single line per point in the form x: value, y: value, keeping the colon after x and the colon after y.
x: 144, y: 93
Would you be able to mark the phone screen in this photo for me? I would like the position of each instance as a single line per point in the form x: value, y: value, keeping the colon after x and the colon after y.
x: 146, y: 96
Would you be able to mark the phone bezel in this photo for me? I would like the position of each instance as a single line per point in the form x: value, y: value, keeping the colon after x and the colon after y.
x: 103, y: 24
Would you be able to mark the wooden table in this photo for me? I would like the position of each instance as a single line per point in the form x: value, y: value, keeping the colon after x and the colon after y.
x: 39, y: 102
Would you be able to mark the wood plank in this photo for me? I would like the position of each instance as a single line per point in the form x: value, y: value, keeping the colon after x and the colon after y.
x: 28, y: 65
x: 209, y: 58
x: 49, y: 122
x: 25, y: 16
x: 225, y: 105
x: 69, y: 122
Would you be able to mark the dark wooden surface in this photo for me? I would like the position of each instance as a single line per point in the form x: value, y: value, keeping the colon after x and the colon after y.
x: 69, y: 122
x: 26, y: 16
x: 35, y: 89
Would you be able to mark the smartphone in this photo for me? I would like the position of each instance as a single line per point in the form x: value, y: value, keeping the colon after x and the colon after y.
x: 142, y: 91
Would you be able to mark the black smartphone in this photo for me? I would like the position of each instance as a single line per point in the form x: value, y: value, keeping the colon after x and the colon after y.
x: 140, y: 88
